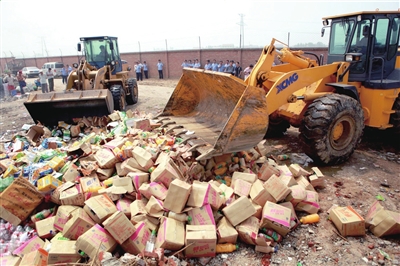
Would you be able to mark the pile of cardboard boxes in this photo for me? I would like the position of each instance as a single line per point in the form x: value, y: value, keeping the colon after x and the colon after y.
x: 117, y: 190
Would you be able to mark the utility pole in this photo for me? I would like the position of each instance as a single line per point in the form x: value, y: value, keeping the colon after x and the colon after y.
x: 241, y: 24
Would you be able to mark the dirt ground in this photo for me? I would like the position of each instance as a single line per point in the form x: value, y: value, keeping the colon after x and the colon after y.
x: 373, y: 170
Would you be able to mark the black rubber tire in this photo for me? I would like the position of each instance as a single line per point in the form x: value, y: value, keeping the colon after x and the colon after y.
x: 132, y: 98
x: 277, y: 127
x: 118, y: 94
x: 331, y: 129
x: 395, y: 117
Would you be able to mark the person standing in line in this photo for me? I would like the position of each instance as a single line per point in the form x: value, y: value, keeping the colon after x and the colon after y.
x: 197, y: 64
x: 238, y: 70
x: 64, y: 74
x: 185, y: 64
x: 50, y: 78
x: 160, y: 66
x: 145, y: 70
x: 21, y: 81
x: 221, y: 67
x: 208, y: 66
x: 8, y: 84
x: 214, y: 65
x: 247, y: 71
x: 138, y: 70
x: 43, y: 81
x: 69, y: 69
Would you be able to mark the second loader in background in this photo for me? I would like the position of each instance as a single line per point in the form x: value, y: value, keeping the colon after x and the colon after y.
x: 217, y: 113
x: 99, y: 85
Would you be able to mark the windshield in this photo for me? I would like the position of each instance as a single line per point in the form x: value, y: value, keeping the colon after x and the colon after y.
x: 98, y: 50
x: 340, y: 36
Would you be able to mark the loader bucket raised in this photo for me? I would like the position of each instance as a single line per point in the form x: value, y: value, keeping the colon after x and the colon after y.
x: 49, y: 108
x: 216, y: 113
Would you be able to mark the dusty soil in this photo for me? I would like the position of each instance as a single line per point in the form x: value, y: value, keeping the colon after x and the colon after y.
x: 374, y: 169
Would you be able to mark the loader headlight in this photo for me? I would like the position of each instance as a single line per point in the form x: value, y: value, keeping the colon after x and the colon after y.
x: 113, y: 63
x: 353, y: 57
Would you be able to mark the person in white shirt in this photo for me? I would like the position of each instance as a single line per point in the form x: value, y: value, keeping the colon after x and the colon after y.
x: 50, y: 78
x: 160, y: 66
x: 43, y: 82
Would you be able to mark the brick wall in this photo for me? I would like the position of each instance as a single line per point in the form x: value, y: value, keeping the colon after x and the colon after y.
x: 172, y: 59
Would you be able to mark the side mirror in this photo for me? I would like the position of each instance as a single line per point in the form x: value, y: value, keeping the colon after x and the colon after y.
x: 111, y: 46
x: 322, y: 32
x: 79, y: 47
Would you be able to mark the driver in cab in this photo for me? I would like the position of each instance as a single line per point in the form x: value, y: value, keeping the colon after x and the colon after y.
x: 101, y: 56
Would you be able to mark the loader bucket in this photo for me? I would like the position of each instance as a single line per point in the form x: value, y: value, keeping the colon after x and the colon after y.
x: 49, y: 108
x: 216, y: 113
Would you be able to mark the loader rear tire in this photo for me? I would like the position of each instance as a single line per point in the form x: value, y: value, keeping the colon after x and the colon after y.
x: 118, y: 94
x: 132, y: 98
x: 331, y: 128
x: 395, y: 117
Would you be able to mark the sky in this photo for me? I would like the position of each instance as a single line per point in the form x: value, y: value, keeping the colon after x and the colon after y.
x: 40, y: 28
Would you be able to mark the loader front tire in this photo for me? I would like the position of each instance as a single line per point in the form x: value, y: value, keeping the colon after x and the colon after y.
x: 395, y: 117
x: 331, y: 128
x: 118, y: 94
x: 132, y: 98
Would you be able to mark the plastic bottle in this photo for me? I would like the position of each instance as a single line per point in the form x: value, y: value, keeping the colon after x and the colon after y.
x: 41, y: 215
x: 226, y: 248
x: 283, y: 157
x: 275, y: 236
x: 310, y: 219
x: 150, y: 243
x: 183, y: 217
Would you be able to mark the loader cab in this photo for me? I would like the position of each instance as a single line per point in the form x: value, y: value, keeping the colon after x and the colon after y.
x: 370, y: 41
x: 101, y: 51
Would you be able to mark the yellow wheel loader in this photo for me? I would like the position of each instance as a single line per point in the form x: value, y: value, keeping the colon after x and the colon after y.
x: 99, y: 85
x: 217, y: 113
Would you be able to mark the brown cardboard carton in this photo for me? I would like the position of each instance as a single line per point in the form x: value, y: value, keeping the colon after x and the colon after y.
x: 284, y: 170
x: 171, y: 234
x: 347, y: 221
x: 316, y: 181
x: 276, y: 217
x: 158, y: 190
x: 71, y: 174
x: 382, y: 222
x: 121, y: 171
x: 31, y: 245
x: 78, y: 224
x: 302, y: 181
x: 249, y: 177
x: 131, y: 165
x: 226, y: 232
x: 121, y: 185
x: 297, y: 170
x: 143, y: 157
x: 45, y: 228
x: 10, y: 260
x: 139, y: 178
x: 276, y: 188
x: 136, y: 243
x: 204, y: 193
x: 119, y: 226
x: 55, y: 195
x: 242, y: 188
x: 137, y: 207
x: 259, y: 194
x: 63, y: 252
x: 288, y: 180
x: 123, y: 205
x: 165, y: 172
x: 154, y: 207
x: 297, y: 194
x: 35, y: 258
x: 105, y: 173
x: 139, y: 123
x: 34, y: 133
x: 201, y: 241
x: 117, y: 142
x: 227, y: 193
x: 18, y: 201
x: 99, y: 208
x: 80, y: 150
x: 239, y: 210
x: 258, y: 208
x: 63, y: 215
x: 105, y: 158
x: 73, y: 196
x: 177, y: 196
x: 248, y: 230
x: 151, y: 222
x: 310, y: 204
x: 294, y: 221
x: 202, y: 215
x: 94, y: 240
x: 267, y: 170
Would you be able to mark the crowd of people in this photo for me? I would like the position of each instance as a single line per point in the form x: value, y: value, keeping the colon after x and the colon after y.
x: 142, y: 69
x: 230, y: 66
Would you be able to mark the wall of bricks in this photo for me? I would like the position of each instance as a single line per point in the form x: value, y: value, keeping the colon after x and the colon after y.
x: 172, y: 60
